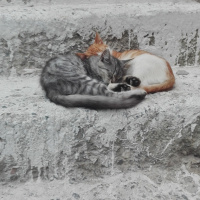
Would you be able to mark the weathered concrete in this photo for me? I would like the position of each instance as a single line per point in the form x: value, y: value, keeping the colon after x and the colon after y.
x: 151, y: 151
x: 31, y: 34
x: 158, y: 141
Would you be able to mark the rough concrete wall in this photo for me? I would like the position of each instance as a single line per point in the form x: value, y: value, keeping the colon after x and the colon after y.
x: 31, y: 35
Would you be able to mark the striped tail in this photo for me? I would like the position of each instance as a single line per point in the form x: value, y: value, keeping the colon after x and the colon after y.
x: 117, y: 101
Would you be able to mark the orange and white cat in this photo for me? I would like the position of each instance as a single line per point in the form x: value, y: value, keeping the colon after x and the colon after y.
x: 154, y: 72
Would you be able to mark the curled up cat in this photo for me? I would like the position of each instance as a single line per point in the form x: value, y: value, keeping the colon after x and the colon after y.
x: 154, y: 73
x: 72, y: 82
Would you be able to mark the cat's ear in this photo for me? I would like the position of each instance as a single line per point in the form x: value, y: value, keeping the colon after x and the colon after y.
x: 81, y: 55
x: 105, y: 56
x: 98, y: 39
x: 125, y: 63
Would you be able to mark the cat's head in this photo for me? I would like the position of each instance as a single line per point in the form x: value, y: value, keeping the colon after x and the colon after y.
x: 93, y: 50
x: 114, y: 66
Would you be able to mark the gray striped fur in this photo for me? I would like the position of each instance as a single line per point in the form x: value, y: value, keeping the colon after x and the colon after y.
x: 71, y: 82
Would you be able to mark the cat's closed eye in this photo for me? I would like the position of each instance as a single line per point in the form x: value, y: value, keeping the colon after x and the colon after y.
x: 104, y: 60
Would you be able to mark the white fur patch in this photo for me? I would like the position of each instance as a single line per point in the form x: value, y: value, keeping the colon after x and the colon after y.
x: 148, y: 68
x: 112, y: 86
x: 139, y: 92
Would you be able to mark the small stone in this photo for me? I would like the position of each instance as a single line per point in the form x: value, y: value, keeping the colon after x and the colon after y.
x: 120, y: 162
x: 76, y: 196
x: 184, y: 197
x: 182, y: 72
x: 49, y: 46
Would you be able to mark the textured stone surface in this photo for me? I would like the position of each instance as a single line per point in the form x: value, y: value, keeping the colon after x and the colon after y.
x: 149, y: 152
x: 48, y: 152
x: 182, y: 72
x: 33, y: 32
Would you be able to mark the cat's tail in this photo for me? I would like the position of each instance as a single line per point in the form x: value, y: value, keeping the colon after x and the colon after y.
x: 118, y: 101
x: 166, y: 85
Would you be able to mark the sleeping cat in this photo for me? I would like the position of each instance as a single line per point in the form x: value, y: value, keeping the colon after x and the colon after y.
x: 71, y: 82
x: 155, y: 73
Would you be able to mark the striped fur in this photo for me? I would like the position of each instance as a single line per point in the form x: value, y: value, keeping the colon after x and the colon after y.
x: 71, y: 82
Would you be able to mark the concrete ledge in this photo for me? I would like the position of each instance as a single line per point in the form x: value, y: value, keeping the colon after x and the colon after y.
x: 42, y: 141
x: 31, y: 35
x: 147, y: 152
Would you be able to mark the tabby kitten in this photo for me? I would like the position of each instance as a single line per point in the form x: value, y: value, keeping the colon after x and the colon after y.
x: 71, y: 82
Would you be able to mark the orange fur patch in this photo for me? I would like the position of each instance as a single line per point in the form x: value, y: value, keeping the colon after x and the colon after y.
x: 98, y: 47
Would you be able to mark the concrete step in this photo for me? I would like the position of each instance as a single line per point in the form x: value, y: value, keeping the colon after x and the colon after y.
x: 32, y: 33
x: 158, y: 139
x: 148, y: 152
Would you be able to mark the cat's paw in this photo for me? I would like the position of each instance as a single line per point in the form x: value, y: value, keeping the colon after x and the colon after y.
x: 133, y: 81
x: 121, y: 87
x: 138, y: 93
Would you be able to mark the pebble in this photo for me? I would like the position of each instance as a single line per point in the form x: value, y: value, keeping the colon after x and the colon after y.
x: 76, y: 196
